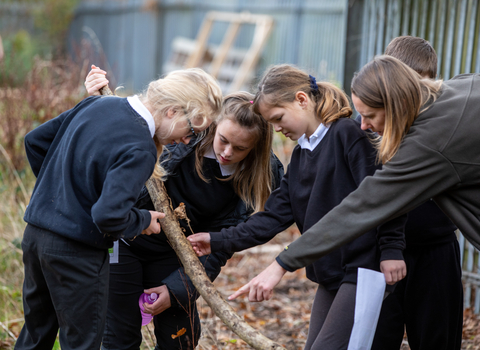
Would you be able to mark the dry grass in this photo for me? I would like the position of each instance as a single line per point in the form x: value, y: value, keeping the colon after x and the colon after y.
x: 12, y: 206
x: 49, y: 89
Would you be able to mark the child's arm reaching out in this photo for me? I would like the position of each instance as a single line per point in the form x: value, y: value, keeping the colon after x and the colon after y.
x: 200, y: 243
x: 261, y: 287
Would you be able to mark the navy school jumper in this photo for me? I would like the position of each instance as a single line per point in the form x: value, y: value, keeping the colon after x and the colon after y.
x: 316, y: 181
x: 91, y: 163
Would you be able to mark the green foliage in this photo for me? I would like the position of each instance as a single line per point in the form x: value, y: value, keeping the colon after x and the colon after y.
x: 12, y: 208
x: 20, y: 51
x: 48, y: 89
x: 22, y: 1
x: 53, y: 17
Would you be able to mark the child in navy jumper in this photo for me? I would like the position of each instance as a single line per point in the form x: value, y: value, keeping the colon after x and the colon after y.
x: 428, y: 302
x: 331, y: 159
x: 221, y: 178
x: 91, y: 163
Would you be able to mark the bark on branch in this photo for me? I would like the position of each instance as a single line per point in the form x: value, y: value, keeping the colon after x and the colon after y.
x: 195, y: 270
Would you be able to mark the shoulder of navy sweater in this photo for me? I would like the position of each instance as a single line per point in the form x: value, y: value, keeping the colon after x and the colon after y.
x: 174, y: 155
x: 117, y: 122
x: 86, y: 102
x: 346, y: 133
x: 345, y: 130
x: 347, y: 127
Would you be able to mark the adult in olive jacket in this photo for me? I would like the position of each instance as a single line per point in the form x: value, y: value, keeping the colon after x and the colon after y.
x: 430, y: 149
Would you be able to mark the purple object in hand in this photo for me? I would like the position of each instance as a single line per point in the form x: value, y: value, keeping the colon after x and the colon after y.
x: 149, y: 299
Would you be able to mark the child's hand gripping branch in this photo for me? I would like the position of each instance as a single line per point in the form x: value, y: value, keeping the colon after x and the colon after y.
x: 154, y: 226
x: 200, y: 243
x: 96, y: 79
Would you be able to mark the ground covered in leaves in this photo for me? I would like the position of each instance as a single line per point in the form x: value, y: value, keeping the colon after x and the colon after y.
x: 284, y: 318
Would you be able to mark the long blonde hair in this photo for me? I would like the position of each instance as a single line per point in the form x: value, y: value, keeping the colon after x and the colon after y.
x: 280, y: 84
x: 386, y: 82
x: 192, y: 91
x: 252, y: 179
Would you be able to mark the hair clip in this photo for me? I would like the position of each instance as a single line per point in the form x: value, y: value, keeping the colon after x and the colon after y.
x: 313, y: 85
x: 251, y: 101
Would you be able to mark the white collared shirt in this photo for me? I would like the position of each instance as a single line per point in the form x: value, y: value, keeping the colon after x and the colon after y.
x: 140, y: 108
x: 225, y: 169
x: 315, y: 138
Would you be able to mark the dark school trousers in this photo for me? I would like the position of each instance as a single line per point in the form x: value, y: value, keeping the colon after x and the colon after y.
x: 428, y: 302
x: 135, y: 271
x: 66, y: 288
x: 332, y: 318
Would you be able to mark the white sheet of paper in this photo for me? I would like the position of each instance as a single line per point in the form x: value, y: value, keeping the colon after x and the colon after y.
x: 368, y: 303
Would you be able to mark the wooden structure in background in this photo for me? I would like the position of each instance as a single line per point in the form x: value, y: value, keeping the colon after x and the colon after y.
x: 232, y: 67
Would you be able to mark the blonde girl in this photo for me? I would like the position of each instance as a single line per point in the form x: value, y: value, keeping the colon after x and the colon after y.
x: 222, y: 177
x: 91, y: 163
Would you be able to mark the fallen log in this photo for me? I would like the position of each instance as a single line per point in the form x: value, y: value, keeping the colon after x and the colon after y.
x: 195, y: 270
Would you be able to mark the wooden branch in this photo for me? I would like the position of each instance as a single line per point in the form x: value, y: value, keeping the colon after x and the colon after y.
x: 195, y: 270
x: 106, y: 90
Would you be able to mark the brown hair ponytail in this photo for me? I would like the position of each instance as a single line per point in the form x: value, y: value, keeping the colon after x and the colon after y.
x: 332, y: 103
x: 280, y: 83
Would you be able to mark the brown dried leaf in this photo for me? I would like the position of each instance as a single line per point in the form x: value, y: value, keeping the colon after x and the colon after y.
x: 179, y: 333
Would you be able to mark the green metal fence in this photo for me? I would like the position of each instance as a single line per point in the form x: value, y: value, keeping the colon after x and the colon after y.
x: 451, y: 26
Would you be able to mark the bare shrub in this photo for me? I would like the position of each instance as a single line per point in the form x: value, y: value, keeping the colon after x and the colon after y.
x: 50, y: 88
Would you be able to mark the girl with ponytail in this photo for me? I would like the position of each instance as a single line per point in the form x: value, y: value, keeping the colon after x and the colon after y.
x: 331, y: 159
x: 222, y: 175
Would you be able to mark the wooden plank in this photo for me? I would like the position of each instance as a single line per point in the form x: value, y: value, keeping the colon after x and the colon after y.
x: 222, y: 51
x: 260, y: 37
x: 201, y: 43
x: 232, y: 67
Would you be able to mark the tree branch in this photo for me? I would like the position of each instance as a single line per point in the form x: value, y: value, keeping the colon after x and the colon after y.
x: 195, y: 270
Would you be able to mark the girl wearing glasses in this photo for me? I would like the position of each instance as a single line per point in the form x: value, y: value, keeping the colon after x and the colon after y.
x: 222, y: 176
x: 91, y: 162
